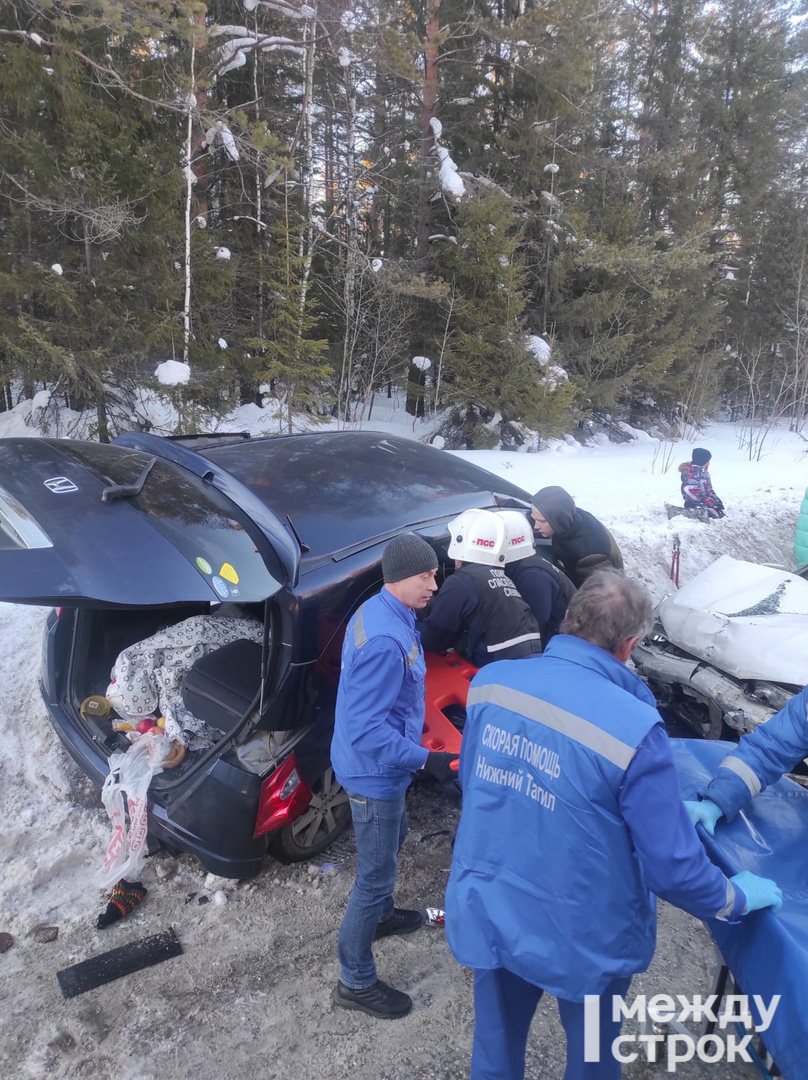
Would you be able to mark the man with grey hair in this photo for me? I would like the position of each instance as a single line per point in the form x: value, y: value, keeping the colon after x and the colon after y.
x: 572, y: 823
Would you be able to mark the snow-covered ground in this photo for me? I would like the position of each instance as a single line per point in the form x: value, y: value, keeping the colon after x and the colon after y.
x: 627, y: 487
x: 250, y: 995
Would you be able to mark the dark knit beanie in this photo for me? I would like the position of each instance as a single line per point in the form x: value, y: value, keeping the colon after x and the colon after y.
x: 700, y: 456
x: 407, y: 556
x: 556, y: 506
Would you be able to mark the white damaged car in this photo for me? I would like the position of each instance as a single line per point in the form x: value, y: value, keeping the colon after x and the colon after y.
x: 730, y: 647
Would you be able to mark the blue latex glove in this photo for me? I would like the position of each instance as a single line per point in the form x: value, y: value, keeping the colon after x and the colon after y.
x: 760, y: 892
x: 704, y: 813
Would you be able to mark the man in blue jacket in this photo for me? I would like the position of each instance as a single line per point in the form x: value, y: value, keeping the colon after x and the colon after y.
x: 572, y: 822
x: 761, y: 759
x: 375, y: 751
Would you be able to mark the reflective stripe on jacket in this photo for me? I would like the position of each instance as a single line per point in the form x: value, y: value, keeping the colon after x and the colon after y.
x: 506, y: 627
x: 546, y: 877
x: 762, y: 757
x: 379, y: 716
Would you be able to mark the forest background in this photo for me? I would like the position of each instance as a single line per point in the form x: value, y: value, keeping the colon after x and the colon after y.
x: 526, y: 214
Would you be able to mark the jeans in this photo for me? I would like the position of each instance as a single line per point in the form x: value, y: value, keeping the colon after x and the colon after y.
x: 504, y: 1005
x: 380, y: 826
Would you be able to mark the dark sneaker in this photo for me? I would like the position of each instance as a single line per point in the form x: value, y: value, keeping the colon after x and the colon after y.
x: 379, y: 1000
x: 402, y: 921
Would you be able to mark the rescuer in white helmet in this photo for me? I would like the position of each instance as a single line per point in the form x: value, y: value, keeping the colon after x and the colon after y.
x: 546, y: 589
x: 478, y: 611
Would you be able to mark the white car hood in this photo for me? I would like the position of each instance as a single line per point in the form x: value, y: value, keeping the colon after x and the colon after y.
x: 748, y: 620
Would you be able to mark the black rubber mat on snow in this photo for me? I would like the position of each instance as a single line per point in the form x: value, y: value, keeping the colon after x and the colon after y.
x: 117, y: 962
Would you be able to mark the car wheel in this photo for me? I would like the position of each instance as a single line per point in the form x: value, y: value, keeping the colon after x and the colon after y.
x: 318, y: 826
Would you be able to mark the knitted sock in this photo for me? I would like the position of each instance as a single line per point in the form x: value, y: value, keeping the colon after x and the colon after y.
x: 119, y: 901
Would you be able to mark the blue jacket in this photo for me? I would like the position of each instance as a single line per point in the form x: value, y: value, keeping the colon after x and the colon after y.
x: 571, y: 821
x: 762, y: 757
x: 801, y: 537
x: 379, y: 718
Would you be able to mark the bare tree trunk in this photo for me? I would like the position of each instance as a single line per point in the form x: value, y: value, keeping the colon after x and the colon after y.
x: 549, y: 246
x: 428, y: 102
x: 329, y: 170
x: 194, y: 176
x: 351, y: 234
x: 306, y: 240
x: 416, y: 379
x: 101, y: 414
x: 800, y: 326
x: 439, y: 373
x: 260, y: 230
x: 381, y: 200
x: 189, y: 193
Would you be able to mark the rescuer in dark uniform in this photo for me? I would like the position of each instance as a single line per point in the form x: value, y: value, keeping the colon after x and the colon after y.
x: 478, y: 611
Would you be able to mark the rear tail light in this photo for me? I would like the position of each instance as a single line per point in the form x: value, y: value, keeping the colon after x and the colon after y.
x: 284, y: 797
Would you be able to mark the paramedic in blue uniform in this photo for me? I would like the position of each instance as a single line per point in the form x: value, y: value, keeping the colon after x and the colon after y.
x: 375, y: 752
x: 572, y: 822
x: 760, y: 759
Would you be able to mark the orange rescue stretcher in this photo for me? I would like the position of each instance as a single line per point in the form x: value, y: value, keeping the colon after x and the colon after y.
x: 447, y: 685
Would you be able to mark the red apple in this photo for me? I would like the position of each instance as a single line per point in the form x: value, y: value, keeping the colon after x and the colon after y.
x: 144, y: 724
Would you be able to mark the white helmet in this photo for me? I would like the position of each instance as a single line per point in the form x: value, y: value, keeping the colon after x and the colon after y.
x: 477, y: 536
x: 519, y: 542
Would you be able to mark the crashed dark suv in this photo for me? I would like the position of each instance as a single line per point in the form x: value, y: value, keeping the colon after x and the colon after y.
x: 127, y: 539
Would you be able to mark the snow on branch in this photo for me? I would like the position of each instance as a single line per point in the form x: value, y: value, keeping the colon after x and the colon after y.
x: 289, y: 10
x: 450, y: 182
x: 552, y: 374
x: 233, y: 54
x: 221, y: 133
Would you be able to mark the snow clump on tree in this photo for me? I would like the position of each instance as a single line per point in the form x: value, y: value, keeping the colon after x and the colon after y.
x: 554, y: 374
x: 172, y: 373
x: 451, y: 184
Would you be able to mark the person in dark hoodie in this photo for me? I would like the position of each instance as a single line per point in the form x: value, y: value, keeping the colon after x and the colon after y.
x: 580, y: 543
x: 697, y: 487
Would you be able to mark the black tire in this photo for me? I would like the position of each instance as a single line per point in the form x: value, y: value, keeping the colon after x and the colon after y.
x: 318, y: 826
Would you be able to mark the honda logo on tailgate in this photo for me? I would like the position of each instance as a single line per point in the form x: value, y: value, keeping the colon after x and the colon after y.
x: 60, y: 485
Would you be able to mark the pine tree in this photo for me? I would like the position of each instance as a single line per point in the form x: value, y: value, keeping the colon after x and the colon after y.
x: 286, y: 356
x: 491, y: 377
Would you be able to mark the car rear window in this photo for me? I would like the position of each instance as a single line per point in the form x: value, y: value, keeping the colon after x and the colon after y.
x: 18, y: 530
x: 200, y: 522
